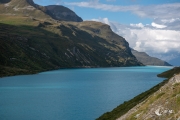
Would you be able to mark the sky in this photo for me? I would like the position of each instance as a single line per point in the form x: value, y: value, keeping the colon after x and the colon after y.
x: 151, y: 26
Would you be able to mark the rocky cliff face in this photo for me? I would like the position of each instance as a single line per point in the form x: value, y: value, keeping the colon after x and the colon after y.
x: 148, y: 60
x: 62, y: 13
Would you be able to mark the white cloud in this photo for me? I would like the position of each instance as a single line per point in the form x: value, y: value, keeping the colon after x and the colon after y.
x: 154, y: 41
x: 104, y: 20
x: 172, y: 24
x: 164, y: 11
x: 161, y: 38
x: 158, y: 25
x: 106, y: 7
x: 139, y: 25
x: 169, y: 20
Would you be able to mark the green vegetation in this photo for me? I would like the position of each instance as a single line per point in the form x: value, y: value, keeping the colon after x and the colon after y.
x: 159, y: 95
x: 32, y: 40
x: 31, y: 45
x: 170, y: 73
x: 127, y: 105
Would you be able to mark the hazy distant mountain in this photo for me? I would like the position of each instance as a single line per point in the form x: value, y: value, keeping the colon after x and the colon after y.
x: 148, y: 60
x: 175, y: 61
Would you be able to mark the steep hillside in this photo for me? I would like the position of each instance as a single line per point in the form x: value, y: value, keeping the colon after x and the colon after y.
x: 31, y: 45
x: 148, y: 60
x: 30, y: 9
x: 162, y: 102
x: 161, y: 105
x: 175, y: 61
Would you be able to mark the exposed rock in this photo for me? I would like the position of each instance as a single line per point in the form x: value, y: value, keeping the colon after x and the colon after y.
x: 162, y: 105
x: 40, y: 41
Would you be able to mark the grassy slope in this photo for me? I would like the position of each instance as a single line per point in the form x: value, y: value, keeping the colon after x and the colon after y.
x: 170, y: 73
x: 30, y: 45
x: 16, y: 41
x: 166, y: 99
x: 127, y: 105
x: 22, y: 8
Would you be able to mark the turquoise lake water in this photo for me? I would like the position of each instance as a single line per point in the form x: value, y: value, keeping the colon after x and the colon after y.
x: 73, y: 94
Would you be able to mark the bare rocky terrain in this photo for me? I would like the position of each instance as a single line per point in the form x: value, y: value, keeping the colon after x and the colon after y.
x: 161, y: 105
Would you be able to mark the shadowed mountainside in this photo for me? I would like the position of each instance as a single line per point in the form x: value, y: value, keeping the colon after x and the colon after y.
x: 32, y: 45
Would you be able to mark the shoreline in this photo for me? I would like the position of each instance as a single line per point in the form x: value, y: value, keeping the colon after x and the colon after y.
x: 127, y: 106
x: 155, y: 109
x: 7, y: 71
x: 12, y: 71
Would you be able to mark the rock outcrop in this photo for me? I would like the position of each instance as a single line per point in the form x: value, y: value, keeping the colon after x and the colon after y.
x: 162, y: 105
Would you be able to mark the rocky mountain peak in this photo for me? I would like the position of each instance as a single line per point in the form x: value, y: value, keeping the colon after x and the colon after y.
x: 59, y: 12
x: 29, y: 8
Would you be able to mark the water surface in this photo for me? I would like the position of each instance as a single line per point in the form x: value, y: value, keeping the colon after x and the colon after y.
x: 73, y: 94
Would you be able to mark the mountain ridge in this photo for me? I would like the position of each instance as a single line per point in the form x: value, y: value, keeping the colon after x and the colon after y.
x: 29, y: 8
x: 48, y: 45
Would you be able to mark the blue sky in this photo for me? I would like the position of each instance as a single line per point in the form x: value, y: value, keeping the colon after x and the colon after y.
x: 124, y: 17
x: 151, y: 26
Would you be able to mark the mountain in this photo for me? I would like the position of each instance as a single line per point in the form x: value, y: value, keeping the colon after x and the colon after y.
x: 162, y: 102
x: 148, y: 60
x: 58, y: 12
x: 32, y: 41
x: 30, y: 9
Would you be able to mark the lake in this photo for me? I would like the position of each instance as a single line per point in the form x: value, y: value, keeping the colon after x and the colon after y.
x: 73, y: 94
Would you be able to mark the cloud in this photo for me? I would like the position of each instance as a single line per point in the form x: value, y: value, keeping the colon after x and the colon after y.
x: 171, y: 24
x: 164, y: 11
x: 170, y: 20
x: 106, y: 7
x: 158, y: 25
x: 139, y: 25
x: 162, y: 43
